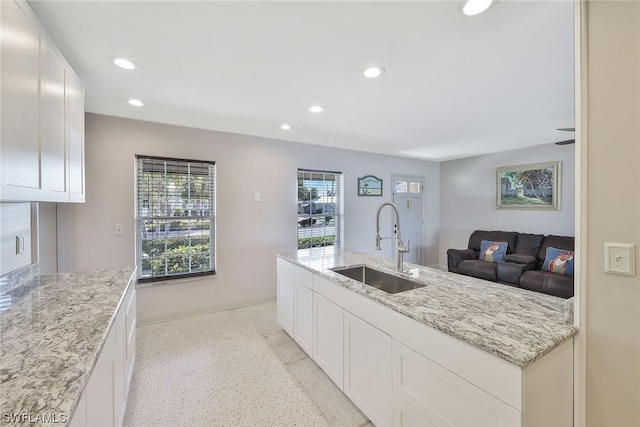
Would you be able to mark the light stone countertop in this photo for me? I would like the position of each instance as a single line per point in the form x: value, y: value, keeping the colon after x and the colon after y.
x: 51, y: 333
x: 517, y: 325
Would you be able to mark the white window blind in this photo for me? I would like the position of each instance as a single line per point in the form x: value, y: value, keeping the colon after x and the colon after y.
x: 320, y: 209
x: 175, y: 218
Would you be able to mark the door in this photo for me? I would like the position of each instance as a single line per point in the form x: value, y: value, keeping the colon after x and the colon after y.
x: 407, y: 193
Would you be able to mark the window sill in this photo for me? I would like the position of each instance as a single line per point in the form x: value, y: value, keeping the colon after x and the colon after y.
x: 186, y: 279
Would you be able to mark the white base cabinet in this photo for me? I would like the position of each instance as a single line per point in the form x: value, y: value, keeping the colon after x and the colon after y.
x: 303, y: 309
x: 286, y: 297
x: 401, y: 372
x: 328, y: 342
x: 367, y: 369
x: 104, y: 400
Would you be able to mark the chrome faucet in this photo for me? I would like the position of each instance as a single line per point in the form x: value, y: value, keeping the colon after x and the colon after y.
x: 400, y: 249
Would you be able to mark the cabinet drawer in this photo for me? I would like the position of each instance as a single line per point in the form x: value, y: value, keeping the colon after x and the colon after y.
x: 303, y: 276
x: 443, y: 397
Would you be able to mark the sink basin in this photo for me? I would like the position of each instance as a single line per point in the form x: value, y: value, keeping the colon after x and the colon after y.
x: 378, y: 279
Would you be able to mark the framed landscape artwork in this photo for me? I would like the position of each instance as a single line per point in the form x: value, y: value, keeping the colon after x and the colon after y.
x: 534, y: 186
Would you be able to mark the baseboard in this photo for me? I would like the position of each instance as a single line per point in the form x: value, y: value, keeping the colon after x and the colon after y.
x: 153, y: 321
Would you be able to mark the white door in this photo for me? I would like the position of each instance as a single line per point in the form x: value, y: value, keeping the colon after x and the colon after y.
x: 407, y: 196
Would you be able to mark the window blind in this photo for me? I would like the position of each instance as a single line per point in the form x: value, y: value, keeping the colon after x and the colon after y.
x: 175, y: 206
x: 320, y: 209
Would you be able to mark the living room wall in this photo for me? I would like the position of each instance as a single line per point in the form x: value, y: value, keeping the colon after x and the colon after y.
x: 468, y: 197
x: 248, y: 233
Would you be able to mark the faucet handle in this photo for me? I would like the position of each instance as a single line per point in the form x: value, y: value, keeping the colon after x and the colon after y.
x: 405, y: 249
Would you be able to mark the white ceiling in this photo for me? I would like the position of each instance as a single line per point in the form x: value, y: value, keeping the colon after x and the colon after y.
x: 455, y: 86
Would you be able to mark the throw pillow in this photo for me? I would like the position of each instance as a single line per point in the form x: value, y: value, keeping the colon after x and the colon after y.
x: 492, y: 251
x: 558, y: 261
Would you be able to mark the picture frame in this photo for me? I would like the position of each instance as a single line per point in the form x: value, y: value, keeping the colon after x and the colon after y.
x: 533, y: 186
x: 369, y: 185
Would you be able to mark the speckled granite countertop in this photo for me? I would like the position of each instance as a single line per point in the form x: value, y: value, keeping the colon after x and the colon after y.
x: 514, y: 324
x: 51, y: 333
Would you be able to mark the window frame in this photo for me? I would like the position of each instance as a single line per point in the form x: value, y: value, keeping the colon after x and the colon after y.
x: 338, y: 210
x: 140, y: 220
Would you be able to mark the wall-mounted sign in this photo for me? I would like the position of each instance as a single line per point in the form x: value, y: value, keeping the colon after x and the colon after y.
x: 369, y: 186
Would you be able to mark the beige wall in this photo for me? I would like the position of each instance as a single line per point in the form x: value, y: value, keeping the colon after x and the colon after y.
x: 613, y: 214
x: 248, y: 233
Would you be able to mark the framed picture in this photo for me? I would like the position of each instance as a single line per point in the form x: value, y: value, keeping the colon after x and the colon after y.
x: 369, y: 185
x: 534, y: 186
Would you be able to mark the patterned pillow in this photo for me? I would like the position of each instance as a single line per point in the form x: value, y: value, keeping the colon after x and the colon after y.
x: 492, y: 251
x: 558, y: 261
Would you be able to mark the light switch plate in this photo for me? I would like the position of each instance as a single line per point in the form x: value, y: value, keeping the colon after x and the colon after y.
x: 118, y: 229
x: 620, y: 258
x: 257, y: 197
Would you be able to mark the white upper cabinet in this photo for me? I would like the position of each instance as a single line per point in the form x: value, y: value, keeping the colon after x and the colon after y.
x: 75, y: 136
x: 53, y: 145
x: 20, y: 50
x: 42, y: 145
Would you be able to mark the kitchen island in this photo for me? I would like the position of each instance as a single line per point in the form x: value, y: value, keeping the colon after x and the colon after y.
x: 60, y: 333
x: 456, y: 350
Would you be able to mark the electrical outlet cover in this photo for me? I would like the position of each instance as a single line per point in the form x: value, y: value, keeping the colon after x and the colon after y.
x: 620, y: 258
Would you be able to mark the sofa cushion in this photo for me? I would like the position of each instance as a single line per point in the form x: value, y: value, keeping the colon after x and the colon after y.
x: 558, y: 261
x: 492, y: 251
x: 478, y: 236
x: 510, y: 272
x: 480, y: 269
x: 560, y: 242
x: 548, y: 283
x: 528, y: 244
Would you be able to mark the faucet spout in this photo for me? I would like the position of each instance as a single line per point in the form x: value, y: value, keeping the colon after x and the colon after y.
x: 400, y: 248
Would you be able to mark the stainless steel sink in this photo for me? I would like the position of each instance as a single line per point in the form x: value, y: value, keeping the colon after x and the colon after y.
x: 379, y: 280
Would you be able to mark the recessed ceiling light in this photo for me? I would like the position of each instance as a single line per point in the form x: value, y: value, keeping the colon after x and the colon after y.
x: 285, y: 127
x: 372, y: 72
x: 124, y: 63
x: 136, y: 103
x: 316, y: 109
x: 476, y: 7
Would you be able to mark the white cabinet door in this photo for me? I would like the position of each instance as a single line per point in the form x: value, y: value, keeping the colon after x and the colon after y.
x: 100, y: 388
x: 19, y: 76
x: 131, y: 320
x: 328, y: 344
x: 405, y: 416
x: 303, y: 308
x: 443, y: 397
x: 367, y: 369
x: 52, y: 125
x: 285, y: 296
x: 75, y: 136
x: 119, y: 356
x: 79, y: 418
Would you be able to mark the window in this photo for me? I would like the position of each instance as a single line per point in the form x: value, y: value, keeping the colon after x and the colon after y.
x: 320, y: 213
x: 175, y: 218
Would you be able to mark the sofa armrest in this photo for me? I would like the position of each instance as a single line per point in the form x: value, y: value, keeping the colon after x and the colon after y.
x: 527, y: 260
x: 454, y: 256
x: 510, y: 272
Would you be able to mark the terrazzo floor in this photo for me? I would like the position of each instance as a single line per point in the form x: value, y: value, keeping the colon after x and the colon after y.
x: 231, y: 368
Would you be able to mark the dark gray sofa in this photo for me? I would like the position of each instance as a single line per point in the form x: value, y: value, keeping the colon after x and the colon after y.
x: 522, y: 264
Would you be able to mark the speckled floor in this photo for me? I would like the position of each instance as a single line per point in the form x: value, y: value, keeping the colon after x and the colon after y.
x: 231, y: 368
